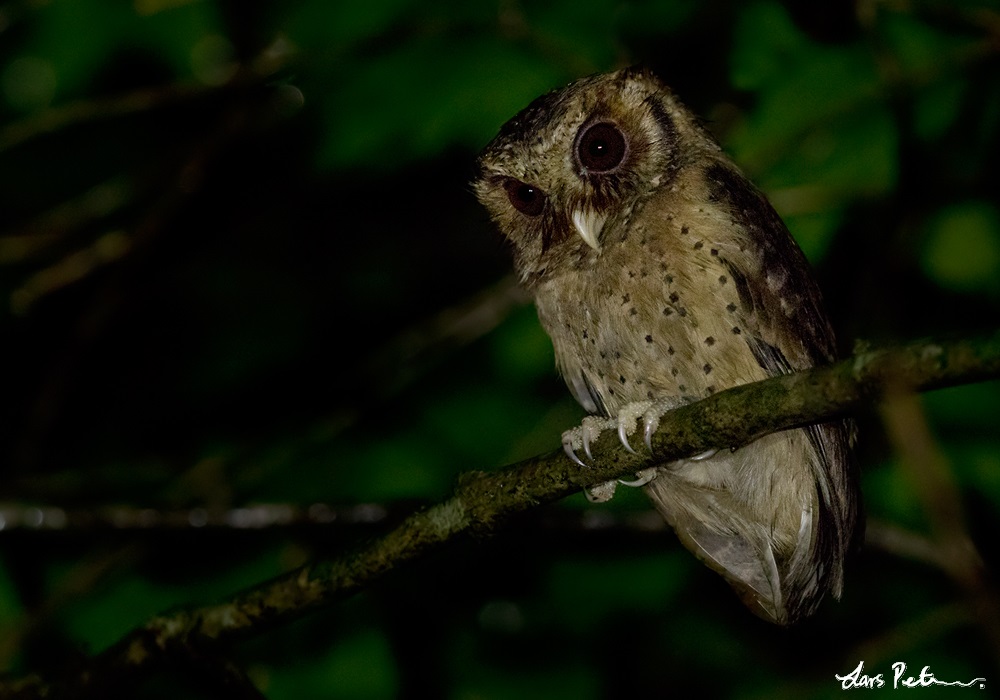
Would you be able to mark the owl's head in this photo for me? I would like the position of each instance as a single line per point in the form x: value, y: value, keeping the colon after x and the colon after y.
x: 578, y: 160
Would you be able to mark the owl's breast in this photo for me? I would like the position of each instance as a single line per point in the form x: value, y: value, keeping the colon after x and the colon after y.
x: 655, y: 314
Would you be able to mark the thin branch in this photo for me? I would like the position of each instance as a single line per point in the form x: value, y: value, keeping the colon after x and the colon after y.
x: 273, y: 58
x: 57, y: 118
x: 17, y: 517
x: 482, y: 501
x: 932, y: 477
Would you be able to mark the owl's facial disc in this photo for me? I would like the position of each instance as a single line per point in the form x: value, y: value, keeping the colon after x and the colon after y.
x: 588, y: 224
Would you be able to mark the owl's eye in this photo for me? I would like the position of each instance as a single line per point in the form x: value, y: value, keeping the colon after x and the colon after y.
x: 601, y: 147
x: 527, y: 199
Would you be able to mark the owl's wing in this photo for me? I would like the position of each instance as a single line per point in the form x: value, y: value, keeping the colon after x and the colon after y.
x: 584, y: 391
x: 783, y: 302
x: 787, y: 330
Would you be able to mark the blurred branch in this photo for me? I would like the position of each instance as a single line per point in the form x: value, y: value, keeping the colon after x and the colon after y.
x: 79, y: 581
x: 37, y: 238
x: 931, y: 475
x: 483, y: 501
x: 903, y: 543
x: 58, y: 118
x: 115, y: 246
x: 272, y: 59
x: 414, y: 351
x: 33, y: 518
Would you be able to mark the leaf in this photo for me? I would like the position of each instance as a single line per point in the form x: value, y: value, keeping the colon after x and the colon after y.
x: 961, y: 250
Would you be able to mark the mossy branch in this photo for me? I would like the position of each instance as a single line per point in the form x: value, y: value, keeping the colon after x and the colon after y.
x: 481, y: 501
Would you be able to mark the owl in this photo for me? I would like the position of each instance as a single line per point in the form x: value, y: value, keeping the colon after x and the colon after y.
x: 662, y: 275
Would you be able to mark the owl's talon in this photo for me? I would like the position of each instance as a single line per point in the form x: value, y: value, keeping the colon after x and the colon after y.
x: 643, y: 478
x: 584, y: 436
x: 627, y: 417
x: 623, y: 436
x: 570, y: 452
x: 650, y: 425
x: 651, y: 418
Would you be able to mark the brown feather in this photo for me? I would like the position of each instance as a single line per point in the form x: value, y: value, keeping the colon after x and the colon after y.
x: 690, y: 284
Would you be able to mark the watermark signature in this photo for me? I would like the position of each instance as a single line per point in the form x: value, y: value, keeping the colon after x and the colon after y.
x: 901, y: 679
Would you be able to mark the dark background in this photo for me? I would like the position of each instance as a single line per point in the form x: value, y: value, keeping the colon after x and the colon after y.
x: 238, y: 254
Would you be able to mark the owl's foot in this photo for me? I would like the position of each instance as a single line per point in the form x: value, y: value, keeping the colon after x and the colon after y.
x: 651, y: 415
x: 580, y: 438
x: 605, y: 491
x: 593, y: 426
x: 601, y: 493
x: 589, y: 430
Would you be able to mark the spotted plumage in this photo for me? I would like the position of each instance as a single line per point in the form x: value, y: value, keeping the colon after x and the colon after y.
x: 662, y: 276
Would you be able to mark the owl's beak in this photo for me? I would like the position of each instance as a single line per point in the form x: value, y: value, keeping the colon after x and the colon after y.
x: 589, y: 224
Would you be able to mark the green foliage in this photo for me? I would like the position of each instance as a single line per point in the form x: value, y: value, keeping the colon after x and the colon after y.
x: 237, y: 249
x: 73, y: 42
x: 818, y: 130
x: 360, y: 667
x: 962, y: 248
x: 585, y: 594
